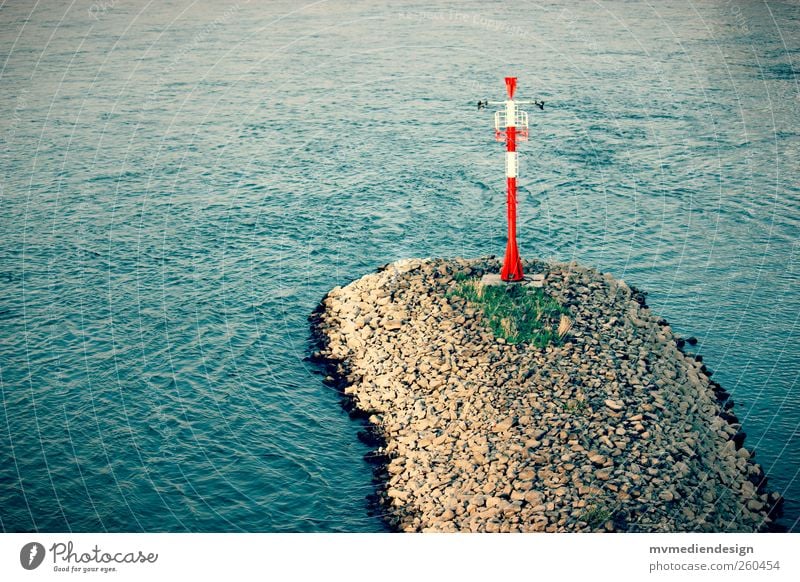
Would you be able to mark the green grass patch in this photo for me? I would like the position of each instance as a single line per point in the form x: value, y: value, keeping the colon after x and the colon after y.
x: 596, y: 516
x: 575, y: 407
x: 517, y: 313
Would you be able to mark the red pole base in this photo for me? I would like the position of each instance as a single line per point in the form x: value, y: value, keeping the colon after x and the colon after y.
x: 512, y: 265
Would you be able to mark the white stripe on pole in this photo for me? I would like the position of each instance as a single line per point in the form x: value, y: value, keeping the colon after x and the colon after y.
x: 511, y: 114
x: 511, y: 164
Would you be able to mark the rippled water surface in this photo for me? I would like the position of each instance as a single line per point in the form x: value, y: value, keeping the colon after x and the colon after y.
x: 183, y: 181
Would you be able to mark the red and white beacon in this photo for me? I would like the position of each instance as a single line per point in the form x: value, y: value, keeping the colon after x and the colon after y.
x: 511, y: 126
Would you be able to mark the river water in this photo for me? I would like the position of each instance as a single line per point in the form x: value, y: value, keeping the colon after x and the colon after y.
x: 182, y: 182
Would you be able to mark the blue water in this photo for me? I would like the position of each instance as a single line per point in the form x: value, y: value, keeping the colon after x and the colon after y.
x: 183, y: 181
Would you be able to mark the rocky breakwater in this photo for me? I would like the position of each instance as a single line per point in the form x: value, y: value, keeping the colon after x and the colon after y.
x: 606, y: 425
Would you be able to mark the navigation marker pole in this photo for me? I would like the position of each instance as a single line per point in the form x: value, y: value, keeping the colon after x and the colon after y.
x: 511, y: 126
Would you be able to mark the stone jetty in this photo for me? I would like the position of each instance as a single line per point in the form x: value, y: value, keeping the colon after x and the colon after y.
x: 613, y: 426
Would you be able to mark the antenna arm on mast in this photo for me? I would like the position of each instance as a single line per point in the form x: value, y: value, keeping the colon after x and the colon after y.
x: 483, y: 104
x: 537, y: 102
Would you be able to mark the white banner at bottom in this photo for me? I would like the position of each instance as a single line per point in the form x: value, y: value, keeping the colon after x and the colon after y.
x: 401, y: 557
